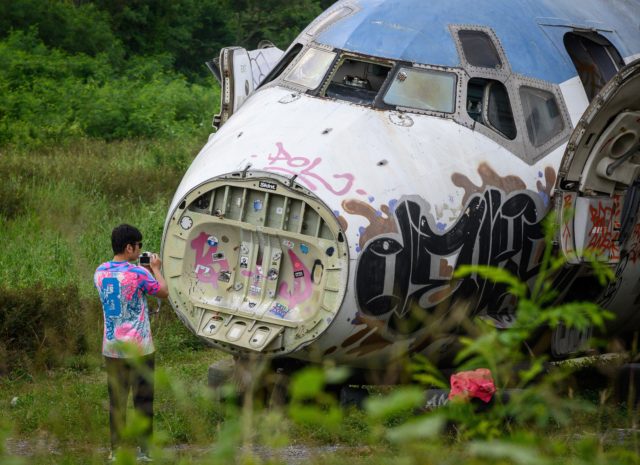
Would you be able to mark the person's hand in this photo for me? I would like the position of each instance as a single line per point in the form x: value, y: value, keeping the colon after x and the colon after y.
x: 155, y: 263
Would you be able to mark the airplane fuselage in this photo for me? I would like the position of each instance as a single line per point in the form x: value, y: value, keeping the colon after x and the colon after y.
x: 395, y: 142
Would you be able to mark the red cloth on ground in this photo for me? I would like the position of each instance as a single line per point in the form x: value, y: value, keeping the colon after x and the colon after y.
x: 468, y: 384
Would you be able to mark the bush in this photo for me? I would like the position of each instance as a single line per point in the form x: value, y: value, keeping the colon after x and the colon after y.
x: 50, y: 96
x: 40, y: 326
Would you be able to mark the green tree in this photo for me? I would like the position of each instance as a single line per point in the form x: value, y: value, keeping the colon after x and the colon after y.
x: 274, y: 20
x: 73, y: 28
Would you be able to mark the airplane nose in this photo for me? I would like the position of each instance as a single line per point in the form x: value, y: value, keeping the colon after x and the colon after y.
x: 255, y: 262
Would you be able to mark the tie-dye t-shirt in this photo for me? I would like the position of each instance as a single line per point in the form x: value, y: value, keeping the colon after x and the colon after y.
x: 123, y: 288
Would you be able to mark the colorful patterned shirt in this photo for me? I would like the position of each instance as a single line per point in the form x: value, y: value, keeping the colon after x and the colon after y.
x: 123, y: 289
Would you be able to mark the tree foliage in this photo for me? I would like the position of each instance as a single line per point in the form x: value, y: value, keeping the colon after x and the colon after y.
x: 188, y: 31
x: 115, y: 69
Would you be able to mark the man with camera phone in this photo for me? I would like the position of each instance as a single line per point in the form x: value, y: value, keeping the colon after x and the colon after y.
x: 127, y: 345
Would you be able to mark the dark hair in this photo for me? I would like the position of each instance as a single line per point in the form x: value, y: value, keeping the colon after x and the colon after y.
x: 123, y: 235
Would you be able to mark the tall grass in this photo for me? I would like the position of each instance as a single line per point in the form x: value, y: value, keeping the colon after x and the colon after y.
x: 55, y: 226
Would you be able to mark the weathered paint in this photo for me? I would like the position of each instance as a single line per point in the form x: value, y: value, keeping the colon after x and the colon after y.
x: 439, y: 194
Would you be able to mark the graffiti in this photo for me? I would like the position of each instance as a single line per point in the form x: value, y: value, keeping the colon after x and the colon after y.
x: 208, y: 269
x: 260, y: 67
x: 489, y: 177
x: 567, y: 236
x: 380, y: 221
x: 402, y: 275
x: 603, y: 238
x: 634, y: 244
x: 304, y: 168
x: 550, y: 180
x: 302, y: 285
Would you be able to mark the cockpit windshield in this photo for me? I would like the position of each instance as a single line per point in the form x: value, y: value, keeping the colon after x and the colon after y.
x: 357, y: 81
x: 422, y: 89
x: 311, y: 68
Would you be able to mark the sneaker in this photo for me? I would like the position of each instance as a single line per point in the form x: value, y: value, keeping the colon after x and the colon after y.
x: 143, y: 457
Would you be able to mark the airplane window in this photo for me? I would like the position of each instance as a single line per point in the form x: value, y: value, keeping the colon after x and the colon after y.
x: 488, y: 103
x: 595, y: 59
x: 423, y: 90
x: 282, y: 64
x: 357, y: 81
x: 311, y: 68
x: 479, y: 49
x: 542, y: 115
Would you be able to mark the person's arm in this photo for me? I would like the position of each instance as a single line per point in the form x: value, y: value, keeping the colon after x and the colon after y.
x: 156, y: 265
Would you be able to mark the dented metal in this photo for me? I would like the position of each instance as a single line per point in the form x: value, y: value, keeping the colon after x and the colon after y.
x: 325, y: 220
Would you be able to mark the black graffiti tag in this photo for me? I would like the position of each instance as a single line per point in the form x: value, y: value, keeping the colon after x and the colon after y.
x: 397, y: 274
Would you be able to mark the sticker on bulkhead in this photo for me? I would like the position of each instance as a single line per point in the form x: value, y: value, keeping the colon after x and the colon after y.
x: 224, y: 276
x: 304, y: 248
x: 257, y: 205
x: 255, y: 290
x: 272, y: 275
x: 244, y: 262
x: 279, y: 310
x: 212, y: 241
x: 186, y: 222
x: 268, y: 185
x: 288, y: 244
x: 298, y: 274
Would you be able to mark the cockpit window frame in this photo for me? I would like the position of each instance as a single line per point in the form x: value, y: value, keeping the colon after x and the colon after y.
x: 442, y: 69
x: 341, y: 58
x: 285, y: 76
x: 520, y: 145
x: 504, y: 68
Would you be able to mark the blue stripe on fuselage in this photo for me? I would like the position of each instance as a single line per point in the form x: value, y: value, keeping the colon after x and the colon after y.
x: 530, y: 31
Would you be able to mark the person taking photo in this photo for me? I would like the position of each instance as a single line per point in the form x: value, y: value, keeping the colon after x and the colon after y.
x: 127, y: 345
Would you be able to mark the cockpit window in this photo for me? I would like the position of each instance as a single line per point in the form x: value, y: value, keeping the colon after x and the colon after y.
x: 357, y: 81
x: 541, y: 114
x: 479, y: 49
x: 488, y: 103
x: 282, y: 64
x: 311, y: 68
x: 422, y: 89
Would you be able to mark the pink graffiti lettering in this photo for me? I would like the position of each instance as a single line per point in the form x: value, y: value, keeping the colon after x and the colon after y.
x: 205, y: 266
x: 302, y: 286
x: 602, y: 237
x: 303, y: 167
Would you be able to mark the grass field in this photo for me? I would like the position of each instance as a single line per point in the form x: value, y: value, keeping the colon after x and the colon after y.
x: 58, y: 207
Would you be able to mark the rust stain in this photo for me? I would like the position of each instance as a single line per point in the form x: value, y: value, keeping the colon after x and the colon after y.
x: 446, y: 270
x: 489, y: 178
x: 369, y: 337
x: 379, y: 222
x: 342, y: 221
x: 372, y: 343
x: 440, y: 295
x: 330, y: 350
x: 550, y: 179
x: 356, y: 337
